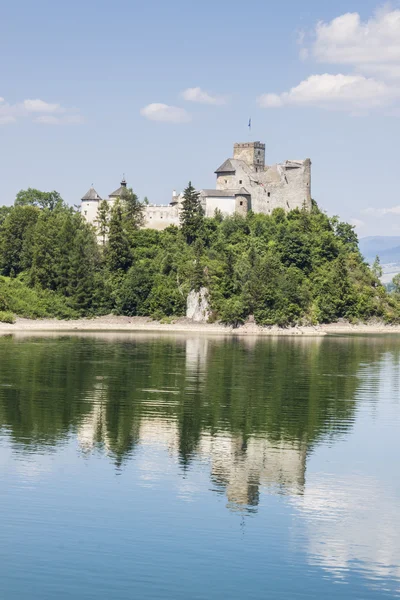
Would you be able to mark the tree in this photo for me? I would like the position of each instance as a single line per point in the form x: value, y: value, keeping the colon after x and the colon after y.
x: 118, y: 253
x: 47, y: 251
x: 4, y: 212
x: 377, y: 268
x: 396, y: 283
x: 191, y: 216
x: 132, y: 210
x: 15, y: 239
x: 32, y: 197
x: 103, y: 218
x: 198, y: 272
x: 84, y: 264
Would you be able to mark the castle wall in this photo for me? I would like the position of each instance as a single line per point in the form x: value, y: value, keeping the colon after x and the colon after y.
x: 282, y: 187
x: 160, y: 216
x: 226, y: 182
x: 226, y: 205
x: 287, y: 185
x: 253, y: 153
x: 89, y: 210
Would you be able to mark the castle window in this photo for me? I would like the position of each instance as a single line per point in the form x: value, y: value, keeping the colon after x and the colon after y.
x: 85, y: 212
x: 226, y: 181
x: 258, y: 153
x: 241, y: 203
x: 269, y: 194
x: 240, y: 181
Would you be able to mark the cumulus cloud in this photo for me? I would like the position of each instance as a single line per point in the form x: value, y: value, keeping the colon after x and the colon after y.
x: 41, y: 106
x: 372, y: 46
x: 371, y: 52
x: 38, y: 110
x: 165, y: 113
x: 340, y: 91
x: 196, y: 94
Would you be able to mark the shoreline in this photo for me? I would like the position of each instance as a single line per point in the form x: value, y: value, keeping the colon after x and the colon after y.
x: 113, y: 323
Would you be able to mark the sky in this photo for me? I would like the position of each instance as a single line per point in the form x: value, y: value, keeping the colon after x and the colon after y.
x: 160, y: 91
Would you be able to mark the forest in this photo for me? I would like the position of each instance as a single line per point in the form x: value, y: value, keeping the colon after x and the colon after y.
x: 283, y: 269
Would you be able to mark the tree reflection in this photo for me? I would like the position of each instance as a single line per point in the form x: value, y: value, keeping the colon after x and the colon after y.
x: 254, y: 408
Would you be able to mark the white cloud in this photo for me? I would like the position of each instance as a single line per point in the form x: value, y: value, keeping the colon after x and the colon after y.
x: 62, y: 120
x: 394, y: 210
x: 370, y: 50
x: 41, y: 106
x: 357, y: 223
x: 196, y: 94
x: 372, y: 46
x: 6, y: 119
x: 165, y: 113
x: 30, y: 108
x: 340, y: 92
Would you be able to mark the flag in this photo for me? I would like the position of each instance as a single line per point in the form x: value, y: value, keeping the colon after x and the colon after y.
x: 250, y: 124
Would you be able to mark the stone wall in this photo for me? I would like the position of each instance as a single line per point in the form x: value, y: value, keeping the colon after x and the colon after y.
x: 253, y: 153
x: 161, y: 216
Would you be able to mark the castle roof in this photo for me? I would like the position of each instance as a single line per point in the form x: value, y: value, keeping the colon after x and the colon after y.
x: 118, y: 193
x: 220, y: 193
x: 226, y: 167
x: 91, y: 195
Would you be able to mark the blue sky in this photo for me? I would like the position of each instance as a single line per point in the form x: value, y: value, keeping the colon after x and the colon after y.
x: 82, y: 83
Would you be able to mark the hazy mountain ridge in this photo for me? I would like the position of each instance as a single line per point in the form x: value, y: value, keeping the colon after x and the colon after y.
x: 386, y: 247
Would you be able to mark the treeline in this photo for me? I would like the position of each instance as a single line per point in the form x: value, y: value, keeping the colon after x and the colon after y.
x: 300, y: 267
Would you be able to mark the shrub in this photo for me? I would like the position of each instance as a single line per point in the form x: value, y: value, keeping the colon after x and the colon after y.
x: 7, y: 317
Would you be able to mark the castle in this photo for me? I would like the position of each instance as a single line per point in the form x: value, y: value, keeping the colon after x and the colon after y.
x: 244, y: 183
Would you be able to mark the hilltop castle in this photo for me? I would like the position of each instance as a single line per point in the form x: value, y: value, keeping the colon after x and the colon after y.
x: 244, y: 183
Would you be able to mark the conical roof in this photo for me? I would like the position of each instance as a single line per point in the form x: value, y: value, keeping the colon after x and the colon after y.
x: 226, y: 167
x: 118, y: 192
x: 91, y: 195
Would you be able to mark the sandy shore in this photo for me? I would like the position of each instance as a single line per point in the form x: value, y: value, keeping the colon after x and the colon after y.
x: 132, y: 324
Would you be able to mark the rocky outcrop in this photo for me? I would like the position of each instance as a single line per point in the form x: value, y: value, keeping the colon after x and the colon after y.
x: 197, y: 306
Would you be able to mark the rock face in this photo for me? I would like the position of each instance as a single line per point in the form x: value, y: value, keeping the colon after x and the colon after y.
x: 197, y: 306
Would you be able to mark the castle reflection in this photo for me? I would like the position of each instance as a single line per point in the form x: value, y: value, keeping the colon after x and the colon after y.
x: 252, y: 410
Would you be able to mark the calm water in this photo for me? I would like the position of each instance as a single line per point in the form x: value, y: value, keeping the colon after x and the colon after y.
x: 199, y: 468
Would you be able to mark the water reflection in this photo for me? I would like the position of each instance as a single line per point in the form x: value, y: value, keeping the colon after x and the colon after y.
x: 257, y: 415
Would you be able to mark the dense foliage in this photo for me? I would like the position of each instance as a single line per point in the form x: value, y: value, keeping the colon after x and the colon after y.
x: 300, y: 267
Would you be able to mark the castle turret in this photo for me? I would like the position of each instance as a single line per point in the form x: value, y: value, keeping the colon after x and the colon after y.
x: 89, y: 205
x: 117, y: 193
x: 252, y: 153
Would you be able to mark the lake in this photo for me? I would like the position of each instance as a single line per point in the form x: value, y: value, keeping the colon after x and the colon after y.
x: 188, y: 467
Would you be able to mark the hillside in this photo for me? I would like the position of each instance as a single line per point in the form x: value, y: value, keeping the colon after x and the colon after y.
x: 283, y: 269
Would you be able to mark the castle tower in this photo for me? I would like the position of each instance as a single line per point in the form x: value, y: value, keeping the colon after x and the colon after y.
x: 89, y: 205
x: 253, y: 153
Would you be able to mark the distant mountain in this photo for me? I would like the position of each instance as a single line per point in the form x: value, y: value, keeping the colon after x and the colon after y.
x: 386, y: 247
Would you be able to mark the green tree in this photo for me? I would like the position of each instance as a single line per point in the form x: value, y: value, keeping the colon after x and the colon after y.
x: 47, y: 251
x: 191, y: 216
x: 132, y: 210
x: 118, y: 252
x: 15, y: 239
x: 83, y: 269
x: 103, y: 220
x: 4, y: 212
x: 32, y: 197
x: 396, y: 284
x: 377, y: 268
